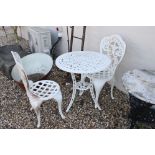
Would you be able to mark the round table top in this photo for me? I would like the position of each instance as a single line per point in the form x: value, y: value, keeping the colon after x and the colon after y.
x: 83, y: 62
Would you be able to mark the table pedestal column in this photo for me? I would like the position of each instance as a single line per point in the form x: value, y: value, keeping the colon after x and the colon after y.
x: 82, y: 86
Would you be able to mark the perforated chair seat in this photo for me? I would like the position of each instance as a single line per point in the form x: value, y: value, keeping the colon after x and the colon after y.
x: 45, y: 89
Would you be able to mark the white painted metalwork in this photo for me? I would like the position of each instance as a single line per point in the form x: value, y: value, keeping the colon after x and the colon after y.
x: 141, y: 84
x: 114, y: 47
x: 84, y: 63
x: 39, y: 91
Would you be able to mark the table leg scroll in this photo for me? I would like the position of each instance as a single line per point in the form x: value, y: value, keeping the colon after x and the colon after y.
x: 74, y: 92
x: 83, y: 76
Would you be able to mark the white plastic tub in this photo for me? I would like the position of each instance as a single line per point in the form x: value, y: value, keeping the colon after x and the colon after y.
x: 38, y: 64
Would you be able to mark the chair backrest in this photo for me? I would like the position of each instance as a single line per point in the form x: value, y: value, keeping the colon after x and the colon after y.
x: 20, y: 69
x: 114, y: 47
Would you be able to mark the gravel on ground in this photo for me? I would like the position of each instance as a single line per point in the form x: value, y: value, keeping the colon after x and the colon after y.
x: 15, y: 108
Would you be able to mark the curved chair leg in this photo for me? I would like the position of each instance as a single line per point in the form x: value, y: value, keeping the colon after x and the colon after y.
x: 35, y: 104
x: 112, y: 87
x: 58, y: 98
x: 37, y: 111
x: 93, y: 96
x: 98, y: 85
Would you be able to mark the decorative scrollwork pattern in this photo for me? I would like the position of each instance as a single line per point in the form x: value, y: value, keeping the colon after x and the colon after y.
x: 83, y: 62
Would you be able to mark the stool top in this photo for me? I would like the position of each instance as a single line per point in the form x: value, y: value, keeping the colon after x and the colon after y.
x: 141, y: 84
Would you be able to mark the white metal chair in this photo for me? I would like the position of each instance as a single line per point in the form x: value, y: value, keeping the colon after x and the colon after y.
x: 114, y: 47
x: 39, y: 91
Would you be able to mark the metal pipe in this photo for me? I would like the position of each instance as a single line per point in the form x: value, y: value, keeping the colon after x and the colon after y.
x: 54, y: 46
x: 71, y: 40
x: 67, y: 37
x: 83, y: 38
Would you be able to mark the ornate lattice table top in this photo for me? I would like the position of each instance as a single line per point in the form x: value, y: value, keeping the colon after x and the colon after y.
x: 83, y: 62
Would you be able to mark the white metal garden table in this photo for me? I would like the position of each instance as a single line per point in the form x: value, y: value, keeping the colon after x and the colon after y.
x: 84, y: 63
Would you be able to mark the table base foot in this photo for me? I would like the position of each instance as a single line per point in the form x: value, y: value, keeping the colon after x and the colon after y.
x: 97, y: 106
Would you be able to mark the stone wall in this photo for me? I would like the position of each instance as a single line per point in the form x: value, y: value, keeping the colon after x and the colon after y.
x: 8, y: 43
x: 8, y: 37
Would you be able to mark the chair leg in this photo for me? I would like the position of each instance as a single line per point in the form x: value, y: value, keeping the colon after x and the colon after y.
x: 37, y: 111
x: 35, y: 104
x: 58, y: 98
x: 93, y: 97
x: 98, y: 85
x: 112, y: 87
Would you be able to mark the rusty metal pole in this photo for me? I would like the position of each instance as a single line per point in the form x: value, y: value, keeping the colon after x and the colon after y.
x: 83, y: 38
x: 71, y: 40
x: 70, y: 44
x: 67, y: 37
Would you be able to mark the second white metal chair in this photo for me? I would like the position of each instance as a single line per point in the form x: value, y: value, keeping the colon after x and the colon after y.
x: 39, y: 91
x: 114, y: 47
